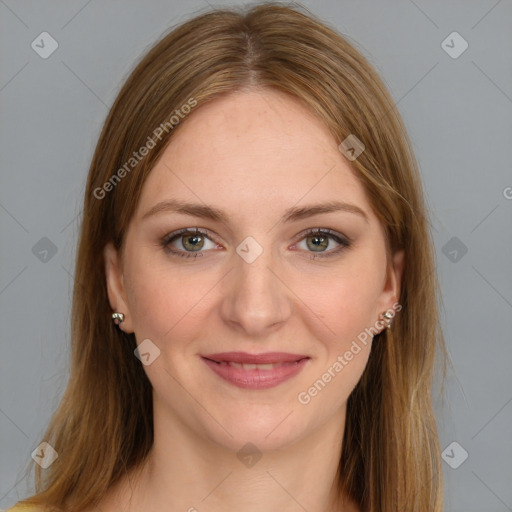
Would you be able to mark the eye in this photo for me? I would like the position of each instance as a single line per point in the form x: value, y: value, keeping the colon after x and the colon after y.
x: 190, y: 240
x: 319, y: 239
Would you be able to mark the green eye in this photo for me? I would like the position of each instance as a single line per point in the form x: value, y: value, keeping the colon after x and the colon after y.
x: 318, y: 241
x: 193, y: 241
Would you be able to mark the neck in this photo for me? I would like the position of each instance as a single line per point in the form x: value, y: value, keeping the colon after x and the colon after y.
x: 187, y: 471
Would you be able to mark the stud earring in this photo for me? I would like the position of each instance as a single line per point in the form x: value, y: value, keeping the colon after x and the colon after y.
x: 118, y: 318
x: 387, y: 317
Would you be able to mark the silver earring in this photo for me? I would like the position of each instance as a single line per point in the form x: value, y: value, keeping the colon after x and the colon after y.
x: 118, y: 318
x: 387, y: 317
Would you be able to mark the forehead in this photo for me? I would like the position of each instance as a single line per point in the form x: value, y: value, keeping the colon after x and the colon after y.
x: 250, y: 152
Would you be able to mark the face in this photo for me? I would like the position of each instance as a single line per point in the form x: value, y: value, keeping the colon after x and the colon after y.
x: 253, y: 269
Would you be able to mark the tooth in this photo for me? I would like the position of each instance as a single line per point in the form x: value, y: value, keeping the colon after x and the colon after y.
x: 248, y: 366
x: 268, y: 366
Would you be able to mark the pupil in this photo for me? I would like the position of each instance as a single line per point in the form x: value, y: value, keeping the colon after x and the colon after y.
x: 318, y: 241
x: 195, y: 241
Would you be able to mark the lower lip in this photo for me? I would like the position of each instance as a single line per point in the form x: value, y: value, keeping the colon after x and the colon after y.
x: 256, y: 379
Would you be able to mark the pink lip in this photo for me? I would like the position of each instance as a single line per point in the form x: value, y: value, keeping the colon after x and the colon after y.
x: 288, y: 365
x: 266, y: 357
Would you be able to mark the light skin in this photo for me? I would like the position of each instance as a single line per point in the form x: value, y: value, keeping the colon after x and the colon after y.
x: 252, y: 155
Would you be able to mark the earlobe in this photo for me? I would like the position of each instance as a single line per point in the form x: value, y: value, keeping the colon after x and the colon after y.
x: 115, y: 286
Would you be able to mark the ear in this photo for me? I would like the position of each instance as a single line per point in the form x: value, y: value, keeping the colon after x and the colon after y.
x: 390, y: 295
x: 115, y: 286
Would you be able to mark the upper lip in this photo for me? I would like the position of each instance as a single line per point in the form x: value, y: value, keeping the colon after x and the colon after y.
x: 245, y: 358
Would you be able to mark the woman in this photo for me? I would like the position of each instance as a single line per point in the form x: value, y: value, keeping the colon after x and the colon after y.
x: 255, y: 304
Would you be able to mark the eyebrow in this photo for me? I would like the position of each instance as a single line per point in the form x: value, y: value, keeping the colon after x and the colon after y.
x: 292, y: 214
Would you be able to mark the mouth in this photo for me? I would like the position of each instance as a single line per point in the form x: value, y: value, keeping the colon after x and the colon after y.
x: 264, y: 360
x: 255, y: 371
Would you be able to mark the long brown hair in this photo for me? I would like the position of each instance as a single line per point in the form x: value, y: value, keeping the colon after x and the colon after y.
x: 103, y: 426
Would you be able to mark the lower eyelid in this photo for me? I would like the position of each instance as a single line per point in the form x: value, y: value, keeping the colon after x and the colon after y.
x: 336, y: 251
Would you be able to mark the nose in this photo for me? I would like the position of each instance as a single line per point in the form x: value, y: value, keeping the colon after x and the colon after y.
x: 257, y: 300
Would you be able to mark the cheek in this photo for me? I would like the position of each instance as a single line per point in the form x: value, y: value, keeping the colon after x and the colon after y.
x: 153, y: 299
x: 345, y: 299
x: 346, y: 308
x: 165, y: 304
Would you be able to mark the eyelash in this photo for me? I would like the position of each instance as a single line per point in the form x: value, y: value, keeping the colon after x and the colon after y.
x: 344, y: 242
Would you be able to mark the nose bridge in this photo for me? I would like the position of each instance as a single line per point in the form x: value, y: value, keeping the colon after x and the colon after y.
x: 257, y: 299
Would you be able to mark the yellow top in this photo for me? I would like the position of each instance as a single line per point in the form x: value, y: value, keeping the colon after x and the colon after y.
x: 20, y: 507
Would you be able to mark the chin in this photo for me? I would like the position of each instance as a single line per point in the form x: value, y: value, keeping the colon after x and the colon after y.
x: 274, y: 429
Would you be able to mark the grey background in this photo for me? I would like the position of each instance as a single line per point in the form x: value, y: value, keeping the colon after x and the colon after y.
x: 458, y: 113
